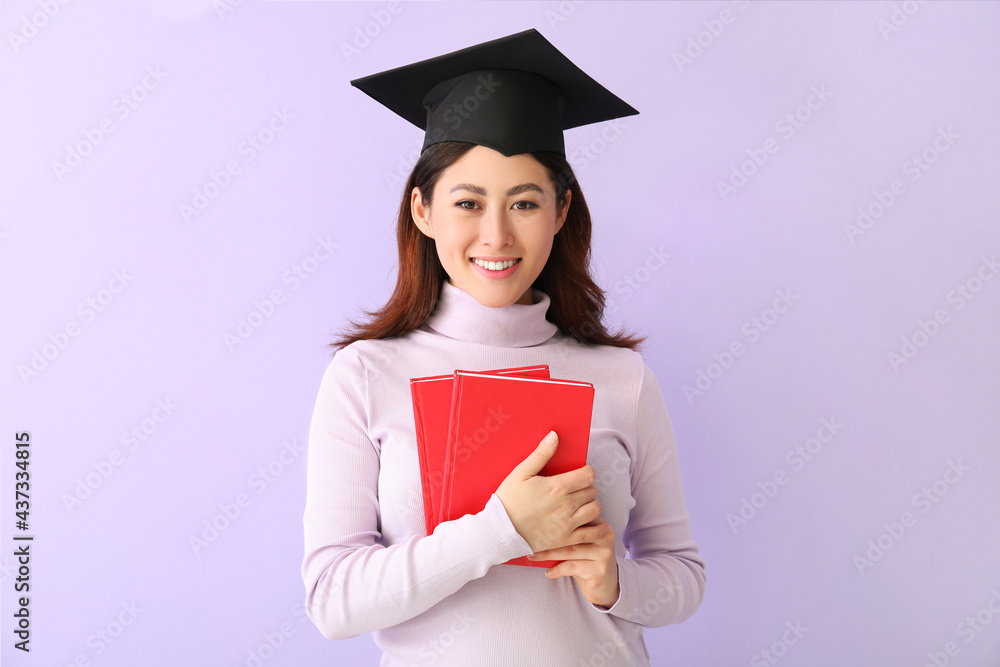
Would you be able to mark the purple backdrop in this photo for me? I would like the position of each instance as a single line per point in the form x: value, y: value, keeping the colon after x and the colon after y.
x: 803, y: 218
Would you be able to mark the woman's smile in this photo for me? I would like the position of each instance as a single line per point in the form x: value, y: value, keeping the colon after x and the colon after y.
x: 496, y: 269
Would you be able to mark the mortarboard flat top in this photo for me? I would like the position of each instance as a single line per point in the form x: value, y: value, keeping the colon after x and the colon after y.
x: 515, y: 94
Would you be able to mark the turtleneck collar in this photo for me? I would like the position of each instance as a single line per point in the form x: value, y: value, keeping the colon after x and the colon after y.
x: 458, y: 315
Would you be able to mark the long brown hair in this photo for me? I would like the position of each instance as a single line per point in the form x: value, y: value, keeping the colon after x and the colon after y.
x: 577, y: 302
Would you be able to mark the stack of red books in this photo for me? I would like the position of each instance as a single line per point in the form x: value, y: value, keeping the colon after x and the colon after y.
x: 474, y: 427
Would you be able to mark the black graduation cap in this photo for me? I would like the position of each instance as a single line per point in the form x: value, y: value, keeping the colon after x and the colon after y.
x: 515, y: 94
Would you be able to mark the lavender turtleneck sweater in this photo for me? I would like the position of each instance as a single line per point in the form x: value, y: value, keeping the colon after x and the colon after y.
x: 446, y: 598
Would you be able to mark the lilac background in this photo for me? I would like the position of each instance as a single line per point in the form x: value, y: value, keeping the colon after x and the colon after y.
x: 334, y: 172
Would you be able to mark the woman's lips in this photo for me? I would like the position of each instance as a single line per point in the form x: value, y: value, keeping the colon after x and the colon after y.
x: 496, y: 274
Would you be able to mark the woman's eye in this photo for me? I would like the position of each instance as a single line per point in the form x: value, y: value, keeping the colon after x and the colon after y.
x: 522, y: 205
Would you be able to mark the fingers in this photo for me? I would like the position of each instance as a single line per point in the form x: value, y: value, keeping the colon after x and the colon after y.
x: 576, y: 479
x: 587, y: 545
x: 591, y: 532
x: 582, y: 536
x: 587, y: 513
x: 581, y: 508
x: 597, y: 522
x: 582, y: 497
x: 537, y: 459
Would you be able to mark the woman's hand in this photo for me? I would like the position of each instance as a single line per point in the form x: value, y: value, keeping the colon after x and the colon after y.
x: 552, y: 511
x: 593, y: 565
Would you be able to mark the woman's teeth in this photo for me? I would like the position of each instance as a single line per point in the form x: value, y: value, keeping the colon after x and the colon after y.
x: 496, y: 266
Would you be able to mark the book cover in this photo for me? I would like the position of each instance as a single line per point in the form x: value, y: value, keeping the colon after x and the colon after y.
x: 496, y: 421
x: 431, y: 397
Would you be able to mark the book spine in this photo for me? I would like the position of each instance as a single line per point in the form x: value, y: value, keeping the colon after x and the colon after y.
x: 425, y: 481
x: 449, y: 459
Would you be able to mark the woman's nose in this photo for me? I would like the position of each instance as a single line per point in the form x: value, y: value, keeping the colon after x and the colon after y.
x: 495, y: 227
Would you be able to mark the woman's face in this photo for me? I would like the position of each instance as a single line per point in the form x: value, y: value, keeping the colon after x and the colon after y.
x: 488, y: 206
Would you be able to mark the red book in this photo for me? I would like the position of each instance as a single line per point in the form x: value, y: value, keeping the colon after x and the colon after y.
x: 496, y: 421
x: 431, y: 417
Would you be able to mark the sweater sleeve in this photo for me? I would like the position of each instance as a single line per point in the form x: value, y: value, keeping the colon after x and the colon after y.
x: 663, y: 581
x: 355, y: 584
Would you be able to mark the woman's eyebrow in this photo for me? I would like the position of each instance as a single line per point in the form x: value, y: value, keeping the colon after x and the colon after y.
x: 516, y: 190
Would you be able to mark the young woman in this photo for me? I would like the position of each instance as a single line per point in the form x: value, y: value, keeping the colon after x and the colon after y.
x: 494, y: 248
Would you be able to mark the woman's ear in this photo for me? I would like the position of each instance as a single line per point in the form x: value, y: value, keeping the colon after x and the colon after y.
x: 420, y: 213
x: 564, y: 212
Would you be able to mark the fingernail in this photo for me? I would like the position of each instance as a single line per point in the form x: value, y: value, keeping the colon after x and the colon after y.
x: 550, y: 438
